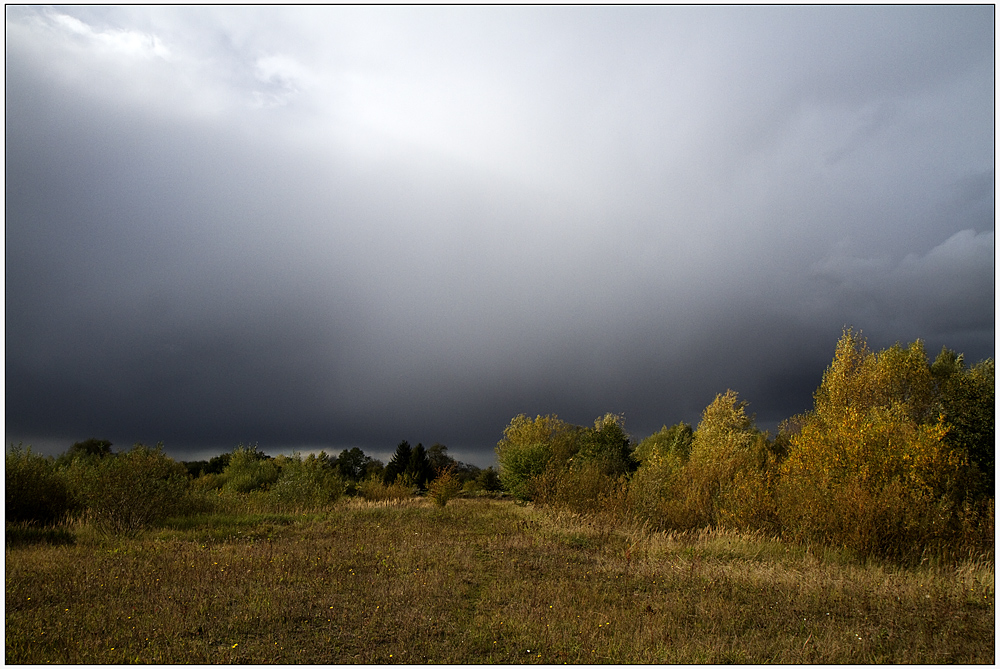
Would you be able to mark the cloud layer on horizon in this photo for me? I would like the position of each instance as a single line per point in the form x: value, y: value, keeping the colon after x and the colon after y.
x: 337, y: 226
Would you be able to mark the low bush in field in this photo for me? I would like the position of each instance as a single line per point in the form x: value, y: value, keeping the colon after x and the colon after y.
x: 444, y: 487
x: 521, y: 467
x: 307, y: 482
x: 35, y: 491
x: 582, y: 488
x: 124, y: 493
x: 208, y: 482
x: 249, y: 469
x: 653, y: 493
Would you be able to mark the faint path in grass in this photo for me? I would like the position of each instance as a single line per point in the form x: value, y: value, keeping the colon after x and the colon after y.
x: 478, y: 581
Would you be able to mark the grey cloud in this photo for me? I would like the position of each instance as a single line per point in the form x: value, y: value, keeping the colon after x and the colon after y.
x: 330, y: 227
x: 942, y: 293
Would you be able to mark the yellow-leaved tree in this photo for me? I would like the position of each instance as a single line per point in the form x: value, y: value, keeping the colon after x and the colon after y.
x: 728, y: 474
x: 869, y: 468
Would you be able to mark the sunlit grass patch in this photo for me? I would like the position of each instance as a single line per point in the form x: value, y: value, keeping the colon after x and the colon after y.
x: 477, y: 581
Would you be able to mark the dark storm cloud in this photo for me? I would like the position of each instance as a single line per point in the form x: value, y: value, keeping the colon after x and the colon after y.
x: 329, y: 227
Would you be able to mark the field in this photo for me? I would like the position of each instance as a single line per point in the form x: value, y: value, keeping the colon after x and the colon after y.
x: 478, y: 581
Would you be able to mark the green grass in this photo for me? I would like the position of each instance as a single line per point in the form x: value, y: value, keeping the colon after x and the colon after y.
x: 477, y: 581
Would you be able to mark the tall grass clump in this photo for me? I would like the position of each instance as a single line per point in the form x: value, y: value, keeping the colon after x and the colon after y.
x: 373, y: 489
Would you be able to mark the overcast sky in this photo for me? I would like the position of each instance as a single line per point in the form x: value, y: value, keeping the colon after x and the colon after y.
x: 326, y: 227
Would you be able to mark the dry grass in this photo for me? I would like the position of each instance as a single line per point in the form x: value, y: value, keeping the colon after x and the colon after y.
x: 478, y: 581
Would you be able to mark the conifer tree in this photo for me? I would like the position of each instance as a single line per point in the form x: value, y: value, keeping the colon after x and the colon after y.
x: 398, y: 464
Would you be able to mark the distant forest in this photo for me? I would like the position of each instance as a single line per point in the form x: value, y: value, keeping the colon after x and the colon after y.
x: 895, y: 460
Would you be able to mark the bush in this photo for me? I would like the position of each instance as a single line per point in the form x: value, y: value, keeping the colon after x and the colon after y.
x: 725, y: 444
x: 561, y: 438
x: 208, y: 481
x: 87, y: 449
x: 127, y: 492
x: 307, y: 482
x: 445, y: 486
x: 607, y: 446
x: 654, y: 491
x: 35, y: 491
x: 669, y: 440
x: 966, y: 399
x: 249, y: 469
x: 580, y: 488
x: 521, y: 466
x: 489, y: 480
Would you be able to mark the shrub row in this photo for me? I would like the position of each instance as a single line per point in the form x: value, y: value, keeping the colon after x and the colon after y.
x: 895, y: 460
x: 122, y: 493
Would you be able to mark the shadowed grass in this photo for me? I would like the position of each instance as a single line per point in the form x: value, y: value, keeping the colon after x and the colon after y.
x: 477, y: 581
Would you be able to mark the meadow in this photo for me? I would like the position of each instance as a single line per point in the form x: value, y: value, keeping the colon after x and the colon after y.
x: 480, y: 580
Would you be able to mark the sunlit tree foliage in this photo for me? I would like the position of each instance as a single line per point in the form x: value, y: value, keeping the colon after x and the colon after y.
x: 675, y: 439
x: 249, y: 469
x: 527, y: 448
x: 312, y: 480
x: 871, y: 467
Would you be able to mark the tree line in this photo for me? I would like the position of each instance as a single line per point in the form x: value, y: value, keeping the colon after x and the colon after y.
x: 896, y: 458
x: 124, y: 492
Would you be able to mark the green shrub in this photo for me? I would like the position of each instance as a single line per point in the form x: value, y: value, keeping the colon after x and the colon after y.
x: 127, y: 492
x: 35, y: 491
x: 249, y: 469
x: 606, y: 446
x: 966, y: 399
x: 676, y: 439
x: 444, y: 486
x: 307, y: 482
x: 528, y: 447
x: 654, y: 488
x: 521, y: 465
x: 208, y: 482
x: 488, y: 480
